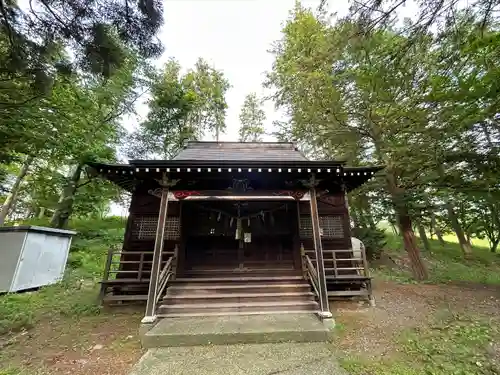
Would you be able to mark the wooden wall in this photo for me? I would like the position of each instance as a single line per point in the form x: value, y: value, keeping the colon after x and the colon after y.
x: 140, y: 231
x: 143, y: 215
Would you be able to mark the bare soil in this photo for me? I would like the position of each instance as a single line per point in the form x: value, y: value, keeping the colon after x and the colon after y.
x: 371, y: 331
x: 107, y: 344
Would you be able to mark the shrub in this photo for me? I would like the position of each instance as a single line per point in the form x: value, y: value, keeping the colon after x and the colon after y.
x: 373, y: 239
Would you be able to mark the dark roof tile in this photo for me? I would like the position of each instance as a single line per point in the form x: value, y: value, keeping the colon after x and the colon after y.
x: 235, y: 151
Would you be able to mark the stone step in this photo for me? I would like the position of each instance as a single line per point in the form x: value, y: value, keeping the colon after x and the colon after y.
x: 236, y: 329
x: 277, y: 305
x: 210, y: 297
x: 227, y: 288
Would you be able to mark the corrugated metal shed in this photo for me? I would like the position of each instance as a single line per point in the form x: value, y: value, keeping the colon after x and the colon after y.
x: 244, y: 151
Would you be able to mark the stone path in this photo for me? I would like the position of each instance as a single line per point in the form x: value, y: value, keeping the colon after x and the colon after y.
x: 245, y: 359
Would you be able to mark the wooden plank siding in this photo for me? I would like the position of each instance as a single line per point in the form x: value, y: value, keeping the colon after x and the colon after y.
x: 144, y: 205
x: 333, y: 211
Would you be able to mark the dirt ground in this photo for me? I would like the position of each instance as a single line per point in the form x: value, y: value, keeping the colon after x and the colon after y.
x: 371, y: 331
x: 108, y: 344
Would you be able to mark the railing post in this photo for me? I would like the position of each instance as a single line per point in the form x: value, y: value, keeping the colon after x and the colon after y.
x: 175, y: 261
x: 105, y: 277
x: 303, y: 260
x: 150, y: 316
x: 320, y: 265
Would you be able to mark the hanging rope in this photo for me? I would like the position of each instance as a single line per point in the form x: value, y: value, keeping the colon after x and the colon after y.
x: 260, y: 213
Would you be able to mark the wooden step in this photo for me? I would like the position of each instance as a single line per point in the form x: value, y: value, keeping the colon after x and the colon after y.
x: 227, y: 288
x: 242, y: 298
x: 233, y: 278
x: 243, y: 307
x: 125, y: 297
x: 234, y: 313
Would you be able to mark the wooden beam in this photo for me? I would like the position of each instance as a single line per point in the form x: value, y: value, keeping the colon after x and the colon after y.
x: 157, y: 254
x: 323, y: 295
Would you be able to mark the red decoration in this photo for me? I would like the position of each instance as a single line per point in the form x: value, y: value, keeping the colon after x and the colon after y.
x: 291, y: 193
x: 181, y: 194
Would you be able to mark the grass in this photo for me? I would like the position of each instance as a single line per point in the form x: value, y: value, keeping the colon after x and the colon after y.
x: 456, y: 345
x: 76, y: 294
x: 446, y: 263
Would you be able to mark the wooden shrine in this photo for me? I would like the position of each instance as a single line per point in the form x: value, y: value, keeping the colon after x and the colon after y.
x: 235, y: 228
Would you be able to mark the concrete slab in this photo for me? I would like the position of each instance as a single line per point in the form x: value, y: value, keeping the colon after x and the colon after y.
x: 254, y: 359
x: 249, y: 329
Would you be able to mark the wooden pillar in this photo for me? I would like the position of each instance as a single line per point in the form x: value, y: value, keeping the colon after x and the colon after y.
x: 150, y: 316
x: 323, y: 294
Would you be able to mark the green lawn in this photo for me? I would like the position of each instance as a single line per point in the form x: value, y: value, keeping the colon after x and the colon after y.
x: 446, y: 263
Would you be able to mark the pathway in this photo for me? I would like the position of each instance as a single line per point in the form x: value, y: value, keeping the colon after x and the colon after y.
x: 254, y: 359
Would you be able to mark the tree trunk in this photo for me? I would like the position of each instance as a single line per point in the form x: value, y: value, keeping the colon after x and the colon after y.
x: 41, y: 213
x: 65, y: 205
x: 394, y: 228
x: 494, y: 245
x: 439, y: 235
x: 405, y: 225
x: 423, y: 236
x: 462, y: 240
x: 11, y: 200
x: 464, y: 244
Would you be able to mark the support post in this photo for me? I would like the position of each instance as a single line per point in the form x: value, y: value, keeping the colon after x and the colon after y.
x: 150, y: 316
x: 320, y: 265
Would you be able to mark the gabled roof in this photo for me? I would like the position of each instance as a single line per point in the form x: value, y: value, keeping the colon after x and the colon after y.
x: 240, y: 151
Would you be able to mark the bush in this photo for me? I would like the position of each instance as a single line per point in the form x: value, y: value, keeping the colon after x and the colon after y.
x: 373, y: 239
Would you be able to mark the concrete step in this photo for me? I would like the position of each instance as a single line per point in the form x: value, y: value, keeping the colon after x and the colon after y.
x: 236, y: 329
x: 227, y: 288
x: 277, y: 305
x: 210, y: 297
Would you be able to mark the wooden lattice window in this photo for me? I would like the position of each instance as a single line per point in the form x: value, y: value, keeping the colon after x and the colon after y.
x: 306, y: 227
x: 144, y: 228
x: 331, y: 226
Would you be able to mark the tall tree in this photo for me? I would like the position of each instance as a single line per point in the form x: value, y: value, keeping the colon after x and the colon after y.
x: 363, y: 101
x: 181, y: 108
x: 252, y: 118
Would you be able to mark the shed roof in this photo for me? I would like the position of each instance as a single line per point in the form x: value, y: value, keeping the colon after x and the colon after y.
x: 240, y: 151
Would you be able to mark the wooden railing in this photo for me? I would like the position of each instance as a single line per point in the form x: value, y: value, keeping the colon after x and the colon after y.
x: 166, y: 273
x: 311, y: 273
x: 140, y: 274
x: 331, y: 258
x: 114, y: 262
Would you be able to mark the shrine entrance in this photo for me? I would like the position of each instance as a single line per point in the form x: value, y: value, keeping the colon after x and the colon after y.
x: 240, y: 235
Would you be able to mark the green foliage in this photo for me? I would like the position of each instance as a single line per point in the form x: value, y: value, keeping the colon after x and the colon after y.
x: 446, y: 263
x: 419, y: 103
x: 183, y: 107
x: 252, y: 118
x: 374, y: 240
x: 76, y: 294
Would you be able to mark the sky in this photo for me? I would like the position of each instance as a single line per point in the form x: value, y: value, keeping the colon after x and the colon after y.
x: 232, y: 35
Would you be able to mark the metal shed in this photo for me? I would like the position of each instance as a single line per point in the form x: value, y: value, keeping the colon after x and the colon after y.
x: 32, y: 256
